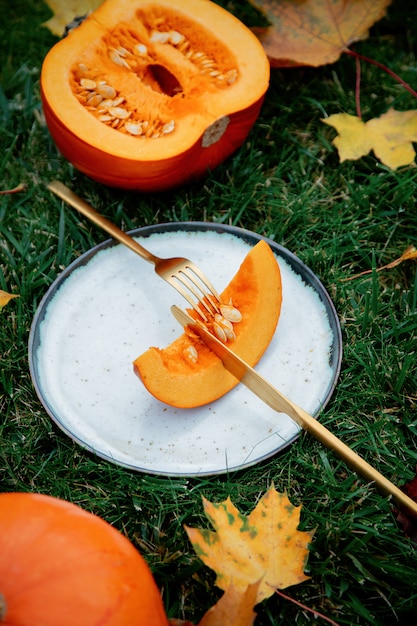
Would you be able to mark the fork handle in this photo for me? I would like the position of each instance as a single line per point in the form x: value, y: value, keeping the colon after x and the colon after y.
x: 66, y: 194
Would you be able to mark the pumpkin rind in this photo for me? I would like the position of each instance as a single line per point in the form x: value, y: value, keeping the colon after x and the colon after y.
x: 61, y: 565
x: 204, y: 122
x: 256, y: 291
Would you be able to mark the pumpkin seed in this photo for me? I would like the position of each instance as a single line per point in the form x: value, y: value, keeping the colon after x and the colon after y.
x: 159, y: 37
x: 231, y: 76
x: 87, y: 83
x: 117, y: 59
x: 230, y: 313
x: 107, y: 91
x: 219, y: 332
x: 223, y: 321
x: 94, y: 99
x: 168, y: 128
x: 133, y: 128
x: 175, y: 37
x: 122, y: 51
x: 190, y: 354
x: 118, y: 112
x: 141, y: 49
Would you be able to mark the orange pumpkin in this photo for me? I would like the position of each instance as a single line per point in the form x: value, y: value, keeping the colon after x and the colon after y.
x: 62, y: 566
x: 178, y: 380
x: 149, y: 94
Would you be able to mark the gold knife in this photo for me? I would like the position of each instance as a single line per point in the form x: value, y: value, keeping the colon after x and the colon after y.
x: 277, y: 401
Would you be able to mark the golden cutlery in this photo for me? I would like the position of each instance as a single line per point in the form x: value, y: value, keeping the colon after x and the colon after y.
x: 277, y: 401
x: 185, y: 276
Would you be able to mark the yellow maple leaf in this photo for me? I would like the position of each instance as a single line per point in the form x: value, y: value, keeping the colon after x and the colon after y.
x: 235, y: 608
x: 264, y: 547
x: 390, y: 136
x: 66, y: 10
x: 6, y: 297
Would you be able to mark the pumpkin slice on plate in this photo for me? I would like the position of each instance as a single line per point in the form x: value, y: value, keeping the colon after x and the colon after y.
x: 187, y: 374
x: 148, y: 94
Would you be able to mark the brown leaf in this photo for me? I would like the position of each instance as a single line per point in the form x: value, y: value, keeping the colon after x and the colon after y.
x: 235, y: 608
x: 409, y: 253
x: 390, y: 136
x: 17, y: 189
x: 6, y: 297
x: 315, y: 32
x: 264, y: 546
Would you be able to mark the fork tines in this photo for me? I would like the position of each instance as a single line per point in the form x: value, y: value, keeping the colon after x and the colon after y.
x: 200, y: 287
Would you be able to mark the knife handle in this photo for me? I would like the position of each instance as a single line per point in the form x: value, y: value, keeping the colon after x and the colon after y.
x: 356, y: 462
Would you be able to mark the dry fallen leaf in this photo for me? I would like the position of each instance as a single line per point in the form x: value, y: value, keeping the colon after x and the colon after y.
x: 408, y: 254
x: 235, y: 608
x: 263, y: 547
x: 6, y: 297
x: 66, y: 10
x: 390, y: 136
x: 315, y: 32
x: 17, y: 189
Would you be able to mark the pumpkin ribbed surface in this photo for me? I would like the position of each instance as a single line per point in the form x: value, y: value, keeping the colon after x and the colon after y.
x: 63, y: 566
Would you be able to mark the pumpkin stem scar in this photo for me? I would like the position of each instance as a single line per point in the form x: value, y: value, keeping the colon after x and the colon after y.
x: 215, y: 132
x: 3, y: 607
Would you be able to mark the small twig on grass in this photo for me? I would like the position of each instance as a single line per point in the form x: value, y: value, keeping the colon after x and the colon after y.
x: 307, y: 608
x: 358, y: 88
x: 383, y: 67
x: 20, y: 187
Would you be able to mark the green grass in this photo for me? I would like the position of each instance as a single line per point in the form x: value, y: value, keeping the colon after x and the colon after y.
x: 285, y: 182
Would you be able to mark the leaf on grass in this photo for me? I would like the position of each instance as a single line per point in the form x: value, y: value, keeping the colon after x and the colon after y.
x: 315, y: 32
x: 390, y: 136
x: 408, y: 254
x: 264, y: 546
x: 235, y: 608
x: 6, y: 297
x: 66, y: 10
x: 17, y: 189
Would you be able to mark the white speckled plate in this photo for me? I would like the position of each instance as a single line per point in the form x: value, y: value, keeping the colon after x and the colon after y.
x: 108, y: 307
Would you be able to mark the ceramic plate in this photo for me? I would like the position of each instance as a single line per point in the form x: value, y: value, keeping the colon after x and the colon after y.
x: 109, y: 306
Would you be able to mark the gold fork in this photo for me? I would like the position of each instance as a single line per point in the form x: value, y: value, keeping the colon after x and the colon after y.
x: 182, y: 274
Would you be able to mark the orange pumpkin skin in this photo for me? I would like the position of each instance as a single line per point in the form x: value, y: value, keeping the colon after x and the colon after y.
x: 197, y: 124
x: 257, y: 293
x: 62, y: 566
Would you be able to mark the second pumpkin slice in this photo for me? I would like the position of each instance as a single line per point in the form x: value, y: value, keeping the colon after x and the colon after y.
x: 256, y: 292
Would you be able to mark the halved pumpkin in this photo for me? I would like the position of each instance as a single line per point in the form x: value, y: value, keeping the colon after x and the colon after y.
x: 148, y: 94
x: 174, y: 378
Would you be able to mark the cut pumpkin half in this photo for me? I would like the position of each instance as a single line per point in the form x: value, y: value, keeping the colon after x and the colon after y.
x: 149, y: 94
x: 187, y: 374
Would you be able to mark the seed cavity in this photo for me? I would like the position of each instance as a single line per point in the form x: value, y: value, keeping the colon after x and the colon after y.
x: 150, y: 50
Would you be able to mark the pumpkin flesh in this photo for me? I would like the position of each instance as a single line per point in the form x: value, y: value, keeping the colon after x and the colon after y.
x: 186, y: 80
x: 62, y: 565
x: 256, y: 292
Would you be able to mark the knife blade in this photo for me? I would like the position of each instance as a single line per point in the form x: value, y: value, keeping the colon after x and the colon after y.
x: 254, y: 381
